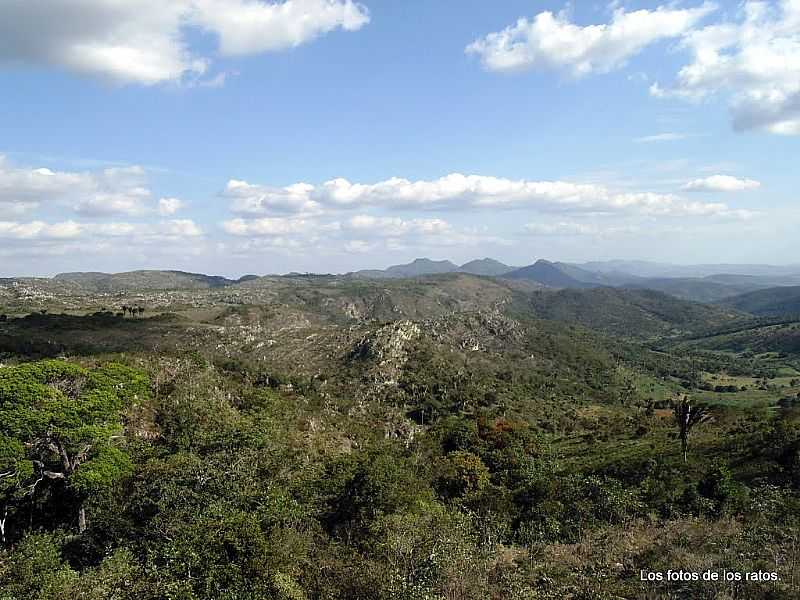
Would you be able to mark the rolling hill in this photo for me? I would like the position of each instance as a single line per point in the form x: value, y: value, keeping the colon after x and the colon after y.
x: 769, y: 302
x: 704, y: 289
x: 549, y: 274
x: 627, y: 313
x: 485, y: 266
x: 416, y: 268
x: 143, y: 280
x: 756, y: 338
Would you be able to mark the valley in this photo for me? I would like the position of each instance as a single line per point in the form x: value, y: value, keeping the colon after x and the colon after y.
x: 305, y: 421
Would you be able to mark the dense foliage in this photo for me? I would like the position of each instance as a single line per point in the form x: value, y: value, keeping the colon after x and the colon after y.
x: 467, y: 456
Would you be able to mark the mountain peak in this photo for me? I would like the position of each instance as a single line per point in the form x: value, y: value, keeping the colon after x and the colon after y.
x: 485, y: 266
x: 549, y: 274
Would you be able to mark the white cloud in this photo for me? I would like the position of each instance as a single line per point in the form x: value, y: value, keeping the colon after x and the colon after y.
x: 26, y: 188
x: 562, y: 228
x: 267, y: 227
x: 38, y: 230
x: 217, y: 81
x: 250, y: 26
x: 754, y: 61
x: 71, y: 230
x: 569, y: 228
x: 169, y: 206
x: 113, y: 191
x: 662, y: 137
x: 360, y: 246
x: 178, y: 228
x: 463, y: 192
x: 130, y: 42
x: 146, y: 42
x: 261, y: 200
x: 358, y: 234
x: 395, y: 232
x: 551, y: 41
x: 395, y: 227
x: 721, y: 183
x: 172, y: 229
x: 131, y: 201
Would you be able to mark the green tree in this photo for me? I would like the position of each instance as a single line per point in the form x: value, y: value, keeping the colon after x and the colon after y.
x: 14, y: 470
x: 62, y: 423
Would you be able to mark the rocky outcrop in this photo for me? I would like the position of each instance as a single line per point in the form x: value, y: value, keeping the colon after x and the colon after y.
x: 387, y: 347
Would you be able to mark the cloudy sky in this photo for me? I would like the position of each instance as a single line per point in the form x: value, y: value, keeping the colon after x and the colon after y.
x: 246, y: 136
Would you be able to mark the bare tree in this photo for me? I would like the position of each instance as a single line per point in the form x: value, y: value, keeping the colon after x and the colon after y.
x: 686, y: 417
x: 3, y: 524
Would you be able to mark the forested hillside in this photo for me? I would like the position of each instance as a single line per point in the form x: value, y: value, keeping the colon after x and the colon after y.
x: 769, y: 302
x: 441, y: 437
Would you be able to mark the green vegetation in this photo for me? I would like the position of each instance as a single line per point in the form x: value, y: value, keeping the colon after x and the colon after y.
x: 776, y: 301
x: 452, y: 437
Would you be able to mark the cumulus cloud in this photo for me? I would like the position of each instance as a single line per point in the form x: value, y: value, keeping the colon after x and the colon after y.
x: 267, y: 226
x: 38, y: 230
x: 360, y: 246
x: 251, y: 199
x: 171, y: 229
x: 751, y: 59
x: 146, y: 42
x: 721, y: 183
x: 24, y: 189
x: 113, y: 191
x: 71, y: 230
x: 754, y: 60
x: 457, y: 191
x: 178, y: 228
x: 395, y: 227
x: 359, y: 234
x: 251, y: 26
x: 169, y: 206
x: 551, y: 41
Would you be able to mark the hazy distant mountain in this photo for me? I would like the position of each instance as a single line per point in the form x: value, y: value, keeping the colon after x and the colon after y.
x: 549, y: 274
x: 690, y: 282
x: 143, y: 280
x: 562, y: 275
x: 422, y: 266
x: 89, y: 279
x: 425, y: 266
x: 699, y: 283
x: 485, y: 266
x: 703, y: 289
x: 416, y: 268
x: 768, y: 302
x: 594, y: 277
x: 661, y: 270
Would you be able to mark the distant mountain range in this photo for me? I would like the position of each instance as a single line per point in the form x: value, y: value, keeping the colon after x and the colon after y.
x: 425, y: 266
x: 698, y: 283
x: 647, y: 269
x: 486, y: 266
x: 554, y: 275
x: 763, y: 290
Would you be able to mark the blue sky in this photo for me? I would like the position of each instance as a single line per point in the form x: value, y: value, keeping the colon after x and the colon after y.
x: 240, y: 136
